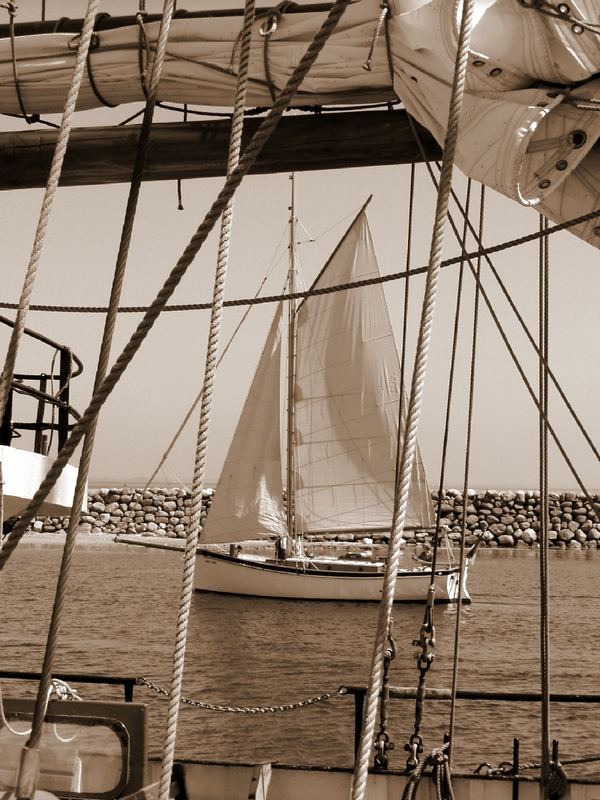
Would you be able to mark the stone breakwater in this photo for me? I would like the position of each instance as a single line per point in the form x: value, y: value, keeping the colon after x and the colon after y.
x: 148, y: 512
x: 498, y: 518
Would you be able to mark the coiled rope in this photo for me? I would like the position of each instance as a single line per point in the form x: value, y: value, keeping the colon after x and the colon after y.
x: 418, y: 379
x: 195, y: 526
x: 231, y: 183
x: 105, y: 348
x: 47, y: 203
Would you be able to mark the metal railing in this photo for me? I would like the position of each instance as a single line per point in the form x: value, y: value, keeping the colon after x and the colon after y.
x: 69, y: 367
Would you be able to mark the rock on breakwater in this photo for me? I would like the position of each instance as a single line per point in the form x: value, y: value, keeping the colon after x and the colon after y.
x: 498, y: 518
x: 151, y: 512
x: 510, y: 519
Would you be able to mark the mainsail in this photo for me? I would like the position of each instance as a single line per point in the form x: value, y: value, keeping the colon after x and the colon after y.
x: 248, y: 501
x: 346, y: 401
x: 347, y: 390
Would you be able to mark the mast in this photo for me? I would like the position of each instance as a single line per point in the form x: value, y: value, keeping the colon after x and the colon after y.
x: 291, y: 373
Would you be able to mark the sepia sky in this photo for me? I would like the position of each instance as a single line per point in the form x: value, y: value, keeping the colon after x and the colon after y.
x: 149, y: 403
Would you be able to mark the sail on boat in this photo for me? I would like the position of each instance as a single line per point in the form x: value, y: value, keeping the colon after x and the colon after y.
x: 342, y: 430
x: 87, y: 771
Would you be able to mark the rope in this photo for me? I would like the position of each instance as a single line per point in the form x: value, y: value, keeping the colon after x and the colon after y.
x: 229, y: 709
x: 198, y: 397
x: 418, y: 378
x: 195, y: 527
x: 426, y: 639
x: 456, y: 654
x: 544, y: 512
x: 276, y: 298
x: 383, y: 14
x: 231, y: 183
x: 105, y: 348
x: 409, y: 233
x: 450, y: 383
x: 441, y: 774
x: 49, y: 195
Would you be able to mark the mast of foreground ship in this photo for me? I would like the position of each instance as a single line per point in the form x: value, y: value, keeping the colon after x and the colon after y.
x: 291, y: 379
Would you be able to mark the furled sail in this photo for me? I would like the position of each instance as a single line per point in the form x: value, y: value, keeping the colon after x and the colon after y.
x: 201, y: 63
x: 248, y: 501
x: 346, y: 401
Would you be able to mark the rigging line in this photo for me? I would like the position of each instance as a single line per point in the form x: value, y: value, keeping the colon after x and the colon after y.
x: 251, y: 153
x: 196, y: 524
x: 467, y: 466
x: 47, y: 204
x: 510, y: 349
x: 393, y: 276
x: 105, y: 348
x: 409, y: 445
x: 238, y: 168
x: 516, y: 361
x: 427, y: 633
x: 403, y: 344
x: 198, y: 397
x: 543, y: 295
x: 450, y: 392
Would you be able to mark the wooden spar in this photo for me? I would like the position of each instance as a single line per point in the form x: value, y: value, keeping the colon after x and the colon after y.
x: 199, y: 149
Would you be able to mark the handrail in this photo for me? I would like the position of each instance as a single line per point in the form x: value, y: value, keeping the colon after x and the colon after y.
x: 127, y: 682
x: 22, y: 388
x: 50, y: 342
x: 59, y: 400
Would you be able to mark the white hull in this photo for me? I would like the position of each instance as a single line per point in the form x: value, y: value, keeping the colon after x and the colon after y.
x: 317, y: 579
x: 22, y: 472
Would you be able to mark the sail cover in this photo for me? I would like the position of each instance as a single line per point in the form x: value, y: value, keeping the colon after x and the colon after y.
x: 346, y: 401
x: 201, y: 63
x: 248, y: 501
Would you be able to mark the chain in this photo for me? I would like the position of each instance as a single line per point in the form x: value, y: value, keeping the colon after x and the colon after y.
x: 321, y: 698
x: 383, y: 743
x: 424, y: 657
x: 561, y: 11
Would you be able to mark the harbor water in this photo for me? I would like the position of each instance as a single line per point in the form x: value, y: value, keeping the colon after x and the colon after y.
x: 120, y: 619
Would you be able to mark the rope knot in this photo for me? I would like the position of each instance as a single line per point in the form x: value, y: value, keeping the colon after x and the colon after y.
x: 274, y: 17
x: 11, y: 7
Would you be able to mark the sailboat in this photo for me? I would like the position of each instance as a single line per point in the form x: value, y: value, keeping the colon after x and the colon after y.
x: 519, y: 137
x: 343, y: 398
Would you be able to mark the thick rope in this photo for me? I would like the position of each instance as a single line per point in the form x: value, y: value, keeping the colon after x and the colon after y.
x: 195, y: 526
x: 276, y: 298
x: 47, y: 203
x: 544, y: 513
x: 410, y: 438
x: 231, y: 183
x: 105, y: 348
x: 475, y: 327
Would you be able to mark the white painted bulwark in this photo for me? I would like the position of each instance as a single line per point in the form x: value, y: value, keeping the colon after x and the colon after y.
x: 22, y: 473
x: 332, y: 579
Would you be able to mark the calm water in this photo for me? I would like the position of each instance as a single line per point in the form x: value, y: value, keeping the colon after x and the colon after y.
x: 120, y: 620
